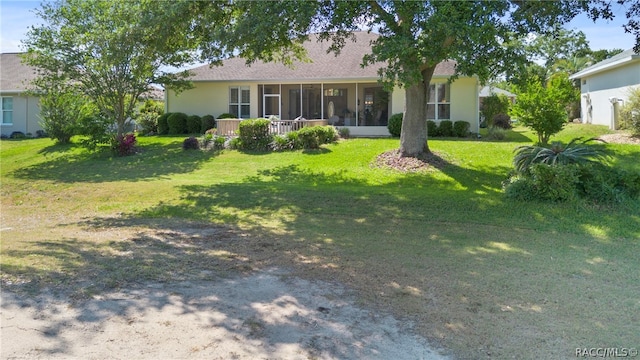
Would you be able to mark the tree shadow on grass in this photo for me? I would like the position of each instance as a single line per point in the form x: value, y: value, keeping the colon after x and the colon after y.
x: 155, y: 160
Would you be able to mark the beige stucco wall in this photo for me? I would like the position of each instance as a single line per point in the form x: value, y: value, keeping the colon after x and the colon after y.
x: 213, y: 98
x: 601, y: 87
x: 25, y: 115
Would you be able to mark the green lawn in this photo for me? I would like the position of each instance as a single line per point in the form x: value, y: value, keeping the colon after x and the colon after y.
x: 479, y: 274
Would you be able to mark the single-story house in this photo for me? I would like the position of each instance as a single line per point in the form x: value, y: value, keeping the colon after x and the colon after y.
x: 605, y: 86
x: 19, y: 110
x: 334, y: 88
x: 488, y: 90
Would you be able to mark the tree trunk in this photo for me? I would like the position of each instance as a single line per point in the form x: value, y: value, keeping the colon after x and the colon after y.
x: 413, y: 137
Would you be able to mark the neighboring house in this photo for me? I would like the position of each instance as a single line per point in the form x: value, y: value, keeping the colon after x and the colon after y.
x: 19, y: 110
x: 335, y: 88
x: 605, y: 87
x: 487, y: 91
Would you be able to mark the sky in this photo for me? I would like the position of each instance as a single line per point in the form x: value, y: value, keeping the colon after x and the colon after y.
x: 16, y: 17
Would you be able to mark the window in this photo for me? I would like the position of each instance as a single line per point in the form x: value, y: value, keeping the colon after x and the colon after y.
x: 7, y: 111
x: 240, y: 102
x: 439, y: 104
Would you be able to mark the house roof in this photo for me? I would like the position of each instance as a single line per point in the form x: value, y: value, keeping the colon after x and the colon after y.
x: 323, y: 65
x: 14, y: 75
x: 488, y: 90
x: 621, y: 59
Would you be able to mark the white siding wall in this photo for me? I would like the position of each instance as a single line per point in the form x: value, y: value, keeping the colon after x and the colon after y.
x: 208, y: 98
x: 25, y: 115
x: 600, y: 87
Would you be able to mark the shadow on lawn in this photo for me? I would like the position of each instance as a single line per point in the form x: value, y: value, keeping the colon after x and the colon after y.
x: 155, y: 160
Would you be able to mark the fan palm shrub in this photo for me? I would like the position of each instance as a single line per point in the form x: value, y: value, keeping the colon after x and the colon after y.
x: 576, y: 151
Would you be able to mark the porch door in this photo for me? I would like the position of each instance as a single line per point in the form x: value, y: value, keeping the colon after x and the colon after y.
x: 271, y: 106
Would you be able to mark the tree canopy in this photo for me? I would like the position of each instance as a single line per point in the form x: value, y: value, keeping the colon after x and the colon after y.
x: 109, y: 50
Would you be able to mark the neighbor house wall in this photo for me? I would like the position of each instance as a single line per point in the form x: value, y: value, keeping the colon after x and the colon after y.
x: 26, y: 110
x: 601, y: 87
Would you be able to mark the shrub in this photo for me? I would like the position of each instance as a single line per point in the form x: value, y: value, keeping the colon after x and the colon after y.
x: 395, y: 125
x: 235, y: 143
x: 326, y: 134
x: 163, y: 124
x: 461, y: 128
x: 309, y: 138
x: 502, y: 121
x: 602, y: 184
x: 227, y: 116
x: 177, y: 123
x: 191, y: 143
x: 17, y: 135
x: 208, y: 122
x: 149, y: 122
x: 496, y: 133
x: 344, y: 133
x: 432, y: 128
x: 493, y: 105
x: 630, y: 112
x: 218, y: 142
x: 445, y: 128
x: 98, y: 130
x: 575, y: 152
x: 194, y: 124
x: 254, y: 134
x: 293, y: 140
x: 545, y: 182
x: 280, y: 143
x: 124, y: 145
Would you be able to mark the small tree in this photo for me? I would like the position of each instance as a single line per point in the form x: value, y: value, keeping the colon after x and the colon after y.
x: 61, y: 109
x: 541, y: 108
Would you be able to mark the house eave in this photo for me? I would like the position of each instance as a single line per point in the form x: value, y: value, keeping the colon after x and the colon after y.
x: 616, y: 64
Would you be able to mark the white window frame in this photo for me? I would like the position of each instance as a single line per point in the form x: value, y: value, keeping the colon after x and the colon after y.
x: 239, y: 104
x: 436, y: 96
x: 3, y: 110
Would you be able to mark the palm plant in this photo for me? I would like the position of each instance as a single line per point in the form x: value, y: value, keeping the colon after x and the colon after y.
x: 575, y: 152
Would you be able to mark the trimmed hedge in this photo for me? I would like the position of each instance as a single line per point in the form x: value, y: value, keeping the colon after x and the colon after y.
x: 395, y: 125
x: 227, y: 116
x: 432, y: 128
x: 254, y: 134
x: 194, y: 124
x: 446, y: 128
x: 461, y: 128
x: 177, y: 123
x: 208, y: 122
x: 163, y: 124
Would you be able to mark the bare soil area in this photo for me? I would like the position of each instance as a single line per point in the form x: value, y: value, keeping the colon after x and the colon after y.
x: 232, y: 309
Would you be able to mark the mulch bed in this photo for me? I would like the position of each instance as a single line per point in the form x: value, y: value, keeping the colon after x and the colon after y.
x: 392, y: 160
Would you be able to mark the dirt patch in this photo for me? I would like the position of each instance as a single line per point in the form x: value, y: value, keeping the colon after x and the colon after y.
x: 236, y: 303
x: 620, y: 138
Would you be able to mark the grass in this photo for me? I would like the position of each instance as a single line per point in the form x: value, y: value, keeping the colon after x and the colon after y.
x: 479, y: 275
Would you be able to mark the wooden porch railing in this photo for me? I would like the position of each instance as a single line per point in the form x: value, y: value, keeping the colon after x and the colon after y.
x: 229, y: 127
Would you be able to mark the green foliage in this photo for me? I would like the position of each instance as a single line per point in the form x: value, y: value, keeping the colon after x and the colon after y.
x: 502, y: 121
x: 493, y: 105
x: 593, y: 182
x: 148, y: 116
x: 496, y: 133
x: 445, y: 128
x: 395, y: 125
x: 541, y: 109
x: 313, y: 137
x: 218, y: 142
x: 544, y: 182
x: 191, y: 143
x: 61, y: 110
x: 110, y: 50
x: 575, y: 152
x: 344, y: 132
x: 432, y: 128
x: 194, y: 124
x: 208, y: 122
x: 177, y: 123
x: 227, y: 116
x: 461, y: 128
x: 630, y: 112
x: 97, y: 130
x: 254, y: 134
x: 163, y: 124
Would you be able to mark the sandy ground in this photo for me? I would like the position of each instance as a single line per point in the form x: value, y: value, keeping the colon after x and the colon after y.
x: 265, y: 315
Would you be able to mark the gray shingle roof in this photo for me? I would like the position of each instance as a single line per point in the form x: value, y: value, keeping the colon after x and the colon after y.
x: 324, y: 66
x: 14, y: 75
